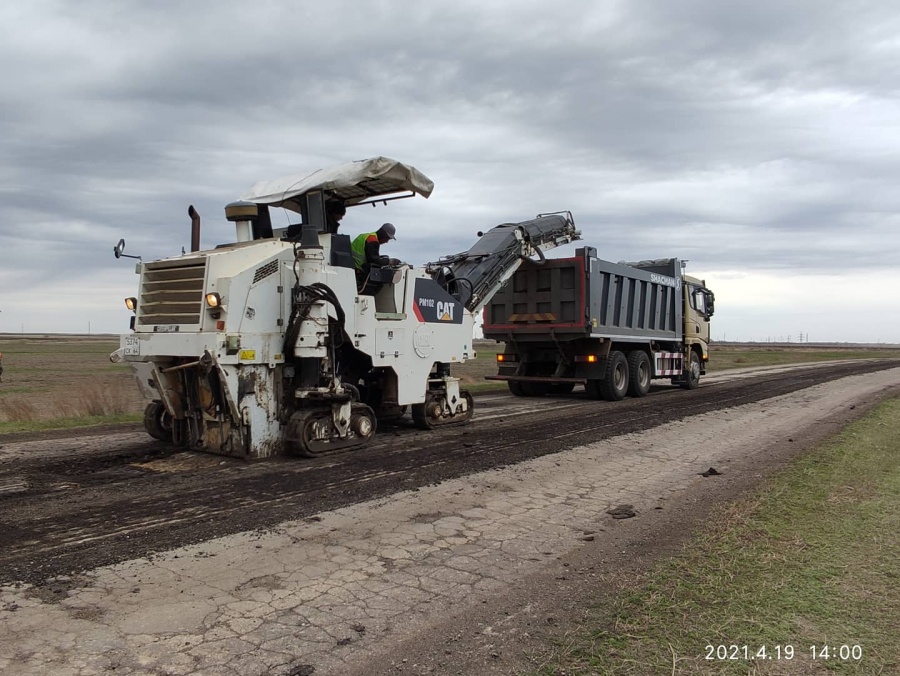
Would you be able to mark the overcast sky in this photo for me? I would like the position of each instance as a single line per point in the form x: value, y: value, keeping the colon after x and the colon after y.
x: 758, y: 140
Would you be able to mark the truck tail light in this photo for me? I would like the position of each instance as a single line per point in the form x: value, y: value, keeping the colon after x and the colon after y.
x: 507, y: 358
x: 589, y: 358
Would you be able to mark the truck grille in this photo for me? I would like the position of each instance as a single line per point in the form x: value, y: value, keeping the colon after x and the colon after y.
x: 172, y: 292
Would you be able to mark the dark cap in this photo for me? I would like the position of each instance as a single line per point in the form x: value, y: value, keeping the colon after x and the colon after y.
x: 388, y: 230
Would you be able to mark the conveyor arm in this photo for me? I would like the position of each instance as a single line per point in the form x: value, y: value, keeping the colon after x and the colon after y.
x: 474, y: 276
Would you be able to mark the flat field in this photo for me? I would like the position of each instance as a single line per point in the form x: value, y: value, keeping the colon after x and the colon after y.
x: 64, y: 381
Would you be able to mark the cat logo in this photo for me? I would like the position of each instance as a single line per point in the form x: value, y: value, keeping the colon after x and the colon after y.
x: 445, y: 311
x: 433, y: 305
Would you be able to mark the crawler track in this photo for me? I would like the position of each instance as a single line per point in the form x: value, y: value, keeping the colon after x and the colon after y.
x: 73, y: 504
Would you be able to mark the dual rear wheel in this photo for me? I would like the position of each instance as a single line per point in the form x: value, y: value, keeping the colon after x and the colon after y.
x: 623, y: 375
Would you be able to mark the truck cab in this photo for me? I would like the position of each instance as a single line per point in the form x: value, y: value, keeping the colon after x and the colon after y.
x: 699, y: 305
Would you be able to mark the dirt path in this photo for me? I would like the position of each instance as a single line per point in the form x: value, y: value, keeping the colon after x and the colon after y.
x: 493, y: 545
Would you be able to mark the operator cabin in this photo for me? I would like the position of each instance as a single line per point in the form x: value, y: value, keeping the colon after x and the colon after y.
x: 319, y: 197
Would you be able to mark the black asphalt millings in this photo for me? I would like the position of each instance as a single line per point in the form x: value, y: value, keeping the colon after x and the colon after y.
x: 622, y: 512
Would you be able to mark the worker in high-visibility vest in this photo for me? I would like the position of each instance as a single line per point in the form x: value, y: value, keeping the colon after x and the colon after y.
x: 367, y: 254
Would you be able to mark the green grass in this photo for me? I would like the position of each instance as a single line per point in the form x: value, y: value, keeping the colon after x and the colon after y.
x: 70, y: 350
x: 86, y: 370
x: 812, y: 558
x: 20, y: 390
x: 17, y: 426
x: 722, y: 358
x: 94, y: 346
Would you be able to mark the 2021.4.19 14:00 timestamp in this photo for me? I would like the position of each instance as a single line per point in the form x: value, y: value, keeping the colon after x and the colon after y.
x: 783, y: 651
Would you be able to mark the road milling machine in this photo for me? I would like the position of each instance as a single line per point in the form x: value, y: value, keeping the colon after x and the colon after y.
x: 266, y: 345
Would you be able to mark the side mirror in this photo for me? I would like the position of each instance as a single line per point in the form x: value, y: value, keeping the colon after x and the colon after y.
x: 119, y: 248
x: 710, y: 303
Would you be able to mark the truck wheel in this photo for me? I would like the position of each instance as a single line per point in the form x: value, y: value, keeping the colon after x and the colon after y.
x: 638, y: 373
x: 158, y: 422
x: 614, y: 384
x: 691, y: 378
x: 515, y: 387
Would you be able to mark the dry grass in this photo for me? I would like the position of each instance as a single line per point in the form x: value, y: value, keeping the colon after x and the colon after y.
x: 64, y: 381
x: 109, y: 397
x: 18, y: 408
x: 809, y: 560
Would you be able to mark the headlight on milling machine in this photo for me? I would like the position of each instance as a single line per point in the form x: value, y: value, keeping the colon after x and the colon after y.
x: 213, y: 300
x: 131, y: 303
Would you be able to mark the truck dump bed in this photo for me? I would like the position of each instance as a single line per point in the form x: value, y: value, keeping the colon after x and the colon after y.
x: 584, y: 296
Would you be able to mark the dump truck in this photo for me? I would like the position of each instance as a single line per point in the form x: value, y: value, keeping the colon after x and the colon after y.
x: 268, y: 344
x: 610, y: 327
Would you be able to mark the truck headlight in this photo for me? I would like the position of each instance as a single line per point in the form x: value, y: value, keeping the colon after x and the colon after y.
x: 213, y: 300
x: 131, y: 303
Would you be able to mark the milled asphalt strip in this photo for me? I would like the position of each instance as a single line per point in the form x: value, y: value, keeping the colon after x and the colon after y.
x: 13, y: 485
x: 328, y: 594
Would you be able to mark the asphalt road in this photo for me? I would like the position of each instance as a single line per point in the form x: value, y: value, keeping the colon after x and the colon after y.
x: 79, y: 502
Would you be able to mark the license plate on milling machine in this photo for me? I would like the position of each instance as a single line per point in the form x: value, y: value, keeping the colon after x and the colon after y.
x: 132, y: 346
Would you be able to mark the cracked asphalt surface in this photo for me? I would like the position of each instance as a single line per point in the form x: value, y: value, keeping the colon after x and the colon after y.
x: 119, y: 554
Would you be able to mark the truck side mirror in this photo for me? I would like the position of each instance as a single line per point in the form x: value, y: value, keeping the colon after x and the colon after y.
x: 119, y: 248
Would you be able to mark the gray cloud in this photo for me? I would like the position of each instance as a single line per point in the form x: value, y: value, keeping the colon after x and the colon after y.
x: 742, y: 135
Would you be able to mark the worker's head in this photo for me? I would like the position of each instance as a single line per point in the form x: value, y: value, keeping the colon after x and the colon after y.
x: 386, y: 232
x: 336, y: 210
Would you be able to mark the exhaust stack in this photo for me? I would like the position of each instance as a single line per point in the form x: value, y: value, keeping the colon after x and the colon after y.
x: 195, y: 228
